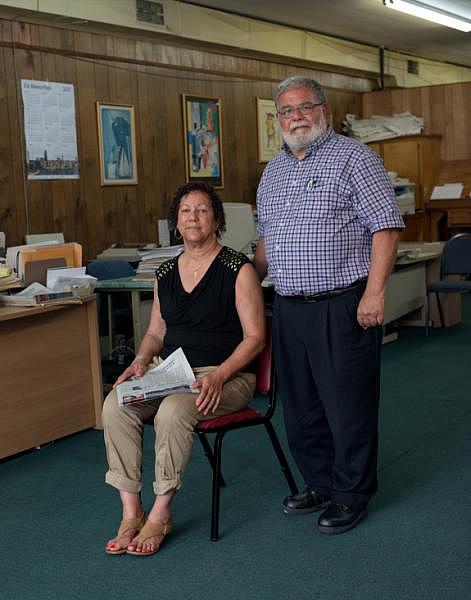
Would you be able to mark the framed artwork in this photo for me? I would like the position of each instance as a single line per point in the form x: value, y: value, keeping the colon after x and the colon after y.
x: 203, y: 144
x: 117, y: 144
x: 268, y: 128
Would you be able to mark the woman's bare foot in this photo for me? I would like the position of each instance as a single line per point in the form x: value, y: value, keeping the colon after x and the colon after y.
x: 128, y: 530
x: 151, y: 536
x: 149, y: 539
x: 119, y: 544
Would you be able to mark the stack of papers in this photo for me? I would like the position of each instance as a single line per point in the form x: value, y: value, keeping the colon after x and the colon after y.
x: 71, y: 279
x: 447, y: 191
x: 152, y: 259
x: 37, y: 294
x: 381, y: 128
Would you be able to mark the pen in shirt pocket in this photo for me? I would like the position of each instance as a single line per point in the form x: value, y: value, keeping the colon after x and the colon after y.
x: 310, y: 184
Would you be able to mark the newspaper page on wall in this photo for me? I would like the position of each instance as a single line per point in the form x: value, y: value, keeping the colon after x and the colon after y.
x: 50, y: 131
x: 174, y: 374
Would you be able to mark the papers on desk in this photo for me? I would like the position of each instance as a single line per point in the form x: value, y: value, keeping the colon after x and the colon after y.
x: 37, y: 294
x: 174, y: 374
x: 71, y: 279
x: 152, y: 259
x: 422, y: 252
x: 163, y: 253
x: 447, y: 191
x: 64, y: 285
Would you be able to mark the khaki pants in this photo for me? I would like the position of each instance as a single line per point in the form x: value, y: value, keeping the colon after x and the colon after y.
x: 175, y: 417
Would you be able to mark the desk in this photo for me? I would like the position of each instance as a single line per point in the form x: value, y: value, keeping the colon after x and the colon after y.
x: 407, y: 286
x: 51, y: 383
x: 134, y: 287
x: 448, y: 215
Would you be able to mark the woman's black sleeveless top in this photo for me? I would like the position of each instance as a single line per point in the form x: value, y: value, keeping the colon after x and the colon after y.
x: 204, y: 322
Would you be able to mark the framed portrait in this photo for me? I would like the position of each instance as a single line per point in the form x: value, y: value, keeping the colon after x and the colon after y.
x: 203, y: 144
x: 268, y: 128
x: 117, y: 144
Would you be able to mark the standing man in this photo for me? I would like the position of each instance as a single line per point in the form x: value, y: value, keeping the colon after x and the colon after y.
x: 329, y: 229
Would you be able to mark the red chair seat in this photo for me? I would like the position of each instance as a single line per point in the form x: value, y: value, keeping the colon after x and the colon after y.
x: 246, y: 414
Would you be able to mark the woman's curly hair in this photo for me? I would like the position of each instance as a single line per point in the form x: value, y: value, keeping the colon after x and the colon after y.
x: 198, y: 186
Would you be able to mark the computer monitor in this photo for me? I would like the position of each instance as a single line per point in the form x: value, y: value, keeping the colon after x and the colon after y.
x: 240, y: 226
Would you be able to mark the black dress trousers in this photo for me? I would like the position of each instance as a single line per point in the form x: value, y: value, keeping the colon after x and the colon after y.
x: 329, y: 376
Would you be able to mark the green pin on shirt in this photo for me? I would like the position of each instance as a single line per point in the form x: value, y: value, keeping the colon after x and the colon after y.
x: 311, y: 184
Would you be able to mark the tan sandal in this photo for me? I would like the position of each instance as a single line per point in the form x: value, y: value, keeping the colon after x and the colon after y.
x: 136, y: 523
x: 150, y: 530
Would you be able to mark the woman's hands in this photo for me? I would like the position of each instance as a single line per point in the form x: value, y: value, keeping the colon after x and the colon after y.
x: 211, y: 390
x: 136, y: 369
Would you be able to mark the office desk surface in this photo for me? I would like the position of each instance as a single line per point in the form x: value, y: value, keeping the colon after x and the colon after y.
x: 125, y: 284
x: 416, y: 252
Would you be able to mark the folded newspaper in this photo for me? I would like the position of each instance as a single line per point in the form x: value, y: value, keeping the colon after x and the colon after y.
x: 174, y: 374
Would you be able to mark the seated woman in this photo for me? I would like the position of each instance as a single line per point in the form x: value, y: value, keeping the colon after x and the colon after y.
x: 208, y: 301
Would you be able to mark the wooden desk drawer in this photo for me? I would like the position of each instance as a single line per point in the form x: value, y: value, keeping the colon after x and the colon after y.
x: 459, y: 217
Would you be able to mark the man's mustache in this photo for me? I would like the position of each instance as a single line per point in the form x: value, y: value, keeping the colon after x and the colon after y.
x: 295, y: 126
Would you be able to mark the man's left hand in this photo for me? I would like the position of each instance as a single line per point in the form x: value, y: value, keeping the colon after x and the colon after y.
x: 370, y: 311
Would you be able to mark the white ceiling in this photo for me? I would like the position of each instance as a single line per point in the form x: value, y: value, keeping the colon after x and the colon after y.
x: 365, y: 21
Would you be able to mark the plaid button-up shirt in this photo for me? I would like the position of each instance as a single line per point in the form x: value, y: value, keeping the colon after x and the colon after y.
x: 317, y: 215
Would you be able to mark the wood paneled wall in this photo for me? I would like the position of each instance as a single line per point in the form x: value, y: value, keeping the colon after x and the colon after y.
x: 151, y: 74
x: 445, y: 109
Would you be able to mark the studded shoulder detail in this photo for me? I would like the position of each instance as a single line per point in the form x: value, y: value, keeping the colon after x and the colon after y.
x: 165, y: 268
x: 232, y: 259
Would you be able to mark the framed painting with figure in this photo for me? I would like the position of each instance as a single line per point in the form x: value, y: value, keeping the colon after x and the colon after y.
x: 203, y: 144
x: 269, y: 133
x: 117, y: 144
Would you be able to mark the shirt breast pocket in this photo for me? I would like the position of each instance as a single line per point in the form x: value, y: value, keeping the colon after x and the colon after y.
x: 327, y: 200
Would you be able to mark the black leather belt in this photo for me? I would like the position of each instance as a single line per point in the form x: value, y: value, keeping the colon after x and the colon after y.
x: 326, y: 295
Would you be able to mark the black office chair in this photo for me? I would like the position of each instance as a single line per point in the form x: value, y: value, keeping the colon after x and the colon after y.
x: 109, y: 269
x: 455, y: 260
x: 248, y: 417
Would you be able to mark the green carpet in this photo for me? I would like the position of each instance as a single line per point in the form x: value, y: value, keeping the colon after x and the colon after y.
x: 56, y: 512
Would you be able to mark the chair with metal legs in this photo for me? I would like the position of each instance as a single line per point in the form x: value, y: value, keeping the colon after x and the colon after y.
x: 248, y: 417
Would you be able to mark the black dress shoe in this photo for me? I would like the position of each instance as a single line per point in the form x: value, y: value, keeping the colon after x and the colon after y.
x: 338, y: 518
x: 306, y: 502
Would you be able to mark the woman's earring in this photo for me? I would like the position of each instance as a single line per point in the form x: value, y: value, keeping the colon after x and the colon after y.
x: 178, y: 235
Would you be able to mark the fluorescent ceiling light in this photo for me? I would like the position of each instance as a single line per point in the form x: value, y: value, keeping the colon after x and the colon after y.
x: 430, y: 13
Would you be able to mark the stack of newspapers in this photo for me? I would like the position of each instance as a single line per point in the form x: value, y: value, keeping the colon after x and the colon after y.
x: 380, y: 128
x: 152, y: 259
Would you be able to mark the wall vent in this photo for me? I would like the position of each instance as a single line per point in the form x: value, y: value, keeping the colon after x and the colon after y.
x: 150, y: 11
x: 413, y: 67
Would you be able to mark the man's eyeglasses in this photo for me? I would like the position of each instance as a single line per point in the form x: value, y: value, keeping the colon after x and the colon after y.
x: 306, y: 108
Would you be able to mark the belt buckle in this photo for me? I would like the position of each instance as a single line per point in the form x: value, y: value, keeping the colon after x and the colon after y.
x: 310, y: 299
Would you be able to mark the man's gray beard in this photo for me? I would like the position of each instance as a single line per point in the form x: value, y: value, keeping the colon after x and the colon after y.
x: 297, y: 143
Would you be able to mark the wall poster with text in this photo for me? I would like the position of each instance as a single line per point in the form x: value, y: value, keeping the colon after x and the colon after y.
x: 50, y: 131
